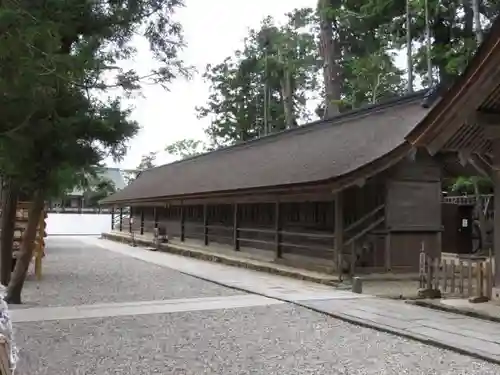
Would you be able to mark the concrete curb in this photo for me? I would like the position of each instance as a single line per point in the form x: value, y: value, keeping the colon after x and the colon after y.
x: 454, y: 310
x: 360, y: 322
x: 241, y: 263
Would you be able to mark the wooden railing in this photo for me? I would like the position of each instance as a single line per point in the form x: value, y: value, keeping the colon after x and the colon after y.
x: 236, y: 236
x: 361, y: 228
x: 79, y: 210
x: 465, y: 199
x: 268, y: 238
x: 466, y: 278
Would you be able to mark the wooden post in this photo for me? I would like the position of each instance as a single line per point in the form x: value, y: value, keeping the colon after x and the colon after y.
x: 439, y: 240
x: 461, y: 285
x: 277, y: 229
x: 445, y: 275
x: 452, y: 282
x: 437, y: 272
x: 142, y: 221
x: 130, y: 220
x: 388, y: 252
x: 236, y: 241
x: 353, y: 258
x: 121, y: 219
x: 205, y: 225
x: 113, y: 218
x: 339, y: 233
x: 430, y: 272
x: 480, y: 279
x: 469, y: 278
x: 155, y: 215
x: 489, y: 280
x: 496, y: 205
x: 183, y: 223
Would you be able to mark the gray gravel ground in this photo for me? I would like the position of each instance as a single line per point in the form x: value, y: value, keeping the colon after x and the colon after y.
x: 279, y: 339
x: 75, y: 274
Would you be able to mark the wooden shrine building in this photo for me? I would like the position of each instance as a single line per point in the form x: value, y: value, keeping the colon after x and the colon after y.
x: 465, y: 124
x: 338, y: 195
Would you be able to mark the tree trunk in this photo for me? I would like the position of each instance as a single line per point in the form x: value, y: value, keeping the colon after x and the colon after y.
x: 10, y: 197
x: 409, y: 57
x: 287, y: 92
x: 477, y: 22
x: 26, y: 252
x: 329, y: 53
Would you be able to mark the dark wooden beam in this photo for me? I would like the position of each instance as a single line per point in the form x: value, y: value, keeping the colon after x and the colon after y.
x: 236, y: 241
x: 113, y: 218
x: 277, y: 228
x: 437, y: 143
x: 183, y: 223
x: 121, y: 219
x: 485, y: 119
x: 489, y: 122
x: 339, y: 231
x: 142, y: 221
x: 481, y: 166
x: 205, y: 224
x: 496, y: 202
x: 155, y: 215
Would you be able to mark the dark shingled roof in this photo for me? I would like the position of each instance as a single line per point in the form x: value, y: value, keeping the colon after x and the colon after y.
x: 317, y: 152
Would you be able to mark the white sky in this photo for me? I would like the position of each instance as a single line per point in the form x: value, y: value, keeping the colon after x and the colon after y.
x: 213, y: 30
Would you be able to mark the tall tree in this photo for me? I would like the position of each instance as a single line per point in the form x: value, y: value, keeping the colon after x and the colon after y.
x: 264, y: 87
x: 358, y: 68
x: 70, y: 50
x: 331, y: 55
x: 451, y: 22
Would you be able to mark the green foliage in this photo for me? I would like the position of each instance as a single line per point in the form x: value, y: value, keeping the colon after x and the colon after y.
x: 147, y: 161
x: 236, y: 105
x: 100, y: 189
x: 288, y: 58
x: 186, y: 148
x: 451, y: 25
x: 467, y: 185
x: 55, y: 58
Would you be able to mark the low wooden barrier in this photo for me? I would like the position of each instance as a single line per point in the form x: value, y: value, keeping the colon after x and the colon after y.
x: 459, y: 277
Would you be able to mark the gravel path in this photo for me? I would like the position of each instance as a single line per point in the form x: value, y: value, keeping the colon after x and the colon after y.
x: 279, y: 339
x: 75, y: 274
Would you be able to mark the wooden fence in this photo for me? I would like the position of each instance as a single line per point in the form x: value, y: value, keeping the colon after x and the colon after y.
x: 457, y: 277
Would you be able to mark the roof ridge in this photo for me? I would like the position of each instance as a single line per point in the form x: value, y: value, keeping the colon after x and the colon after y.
x: 338, y: 119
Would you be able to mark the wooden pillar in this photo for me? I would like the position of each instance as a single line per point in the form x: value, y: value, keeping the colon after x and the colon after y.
x: 113, y: 218
x: 142, y: 221
x: 496, y: 202
x: 339, y: 232
x: 121, y: 219
x: 131, y: 219
x: 155, y: 215
x: 205, y: 224
x: 236, y: 223
x: 277, y: 228
x: 388, y: 264
x: 183, y: 223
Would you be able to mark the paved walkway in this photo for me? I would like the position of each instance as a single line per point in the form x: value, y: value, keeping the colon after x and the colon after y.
x: 456, y: 332
x: 129, y: 311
